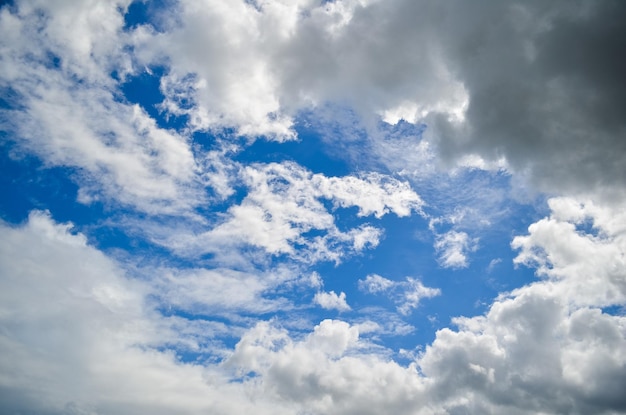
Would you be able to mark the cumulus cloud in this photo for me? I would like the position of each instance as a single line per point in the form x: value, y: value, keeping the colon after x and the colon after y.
x: 74, y: 325
x: 514, y: 93
x: 547, y: 346
x: 324, y: 374
x: 585, y: 267
x: 453, y: 248
x: 374, y: 283
x: 331, y: 301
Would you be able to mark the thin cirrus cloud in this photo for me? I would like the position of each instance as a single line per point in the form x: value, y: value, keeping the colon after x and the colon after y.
x: 216, y: 242
x: 406, y: 294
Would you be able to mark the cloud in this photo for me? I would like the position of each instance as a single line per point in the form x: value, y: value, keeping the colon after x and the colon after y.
x: 533, y: 88
x: 453, y: 247
x: 585, y: 267
x: 74, y: 325
x: 529, y: 353
x: 528, y: 92
x: 324, y: 374
x: 220, y: 291
x: 546, y: 346
x: 493, y: 264
x: 283, y: 213
x: 331, y: 301
x: 374, y: 283
x: 501, y: 95
x: 406, y: 294
x: 543, y: 91
x: 69, y: 113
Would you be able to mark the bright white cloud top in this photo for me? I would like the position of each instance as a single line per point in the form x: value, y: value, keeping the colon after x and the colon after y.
x: 312, y: 207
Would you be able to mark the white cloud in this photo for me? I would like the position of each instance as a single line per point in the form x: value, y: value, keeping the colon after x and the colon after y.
x: 415, y: 291
x: 71, y: 115
x: 539, y: 92
x: 374, y: 283
x: 586, y: 268
x: 283, y: 213
x: 331, y: 301
x: 375, y: 194
x: 73, y: 326
x: 77, y: 333
x: 546, y: 346
x: 453, y: 248
x: 324, y: 373
x: 406, y: 294
x: 219, y: 291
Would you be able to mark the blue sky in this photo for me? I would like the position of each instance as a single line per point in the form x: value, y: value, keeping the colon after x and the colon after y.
x: 311, y: 207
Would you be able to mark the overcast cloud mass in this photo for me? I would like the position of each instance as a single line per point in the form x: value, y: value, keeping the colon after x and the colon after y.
x: 312, y: 207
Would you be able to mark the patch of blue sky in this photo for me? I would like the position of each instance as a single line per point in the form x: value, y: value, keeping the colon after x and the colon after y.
x: 144, y: 89
x: 7, y: 3
x: 147, y: 12
x: 10, y: 99
x: 615, y: 310
x: 309, y: 151
x: 30, y: 185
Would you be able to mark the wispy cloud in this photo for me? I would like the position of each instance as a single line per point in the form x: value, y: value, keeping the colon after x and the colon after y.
x: 406, y: 294
x: 453, y: 248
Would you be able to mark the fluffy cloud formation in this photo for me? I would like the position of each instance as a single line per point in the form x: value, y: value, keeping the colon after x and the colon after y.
x: 538, y: 348
x: 522, y: 82
x: 586, y: 267
x: 78, y: 336
x: 331, y: 301
x: 547, y: 346
x: 517, y: 92
x: 324, y: 373
x: 284, y: 205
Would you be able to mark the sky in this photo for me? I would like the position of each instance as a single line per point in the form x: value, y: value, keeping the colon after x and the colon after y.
x: 307, y: 207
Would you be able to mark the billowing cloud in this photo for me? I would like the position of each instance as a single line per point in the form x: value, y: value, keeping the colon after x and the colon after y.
x: 521, y: 82
x: 588, y: 267
x: 536, y: 349
x: 547, y: 346
x: 331, y: 301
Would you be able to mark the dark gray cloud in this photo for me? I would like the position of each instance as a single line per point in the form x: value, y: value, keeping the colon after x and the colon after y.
x: 546, y: 91
x: 537, y: 84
